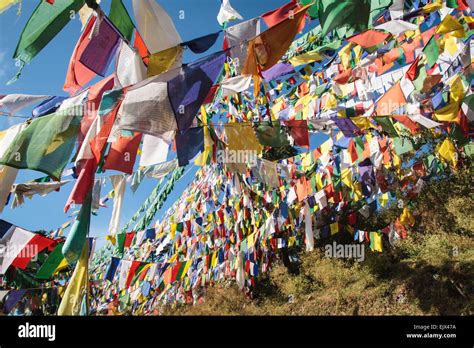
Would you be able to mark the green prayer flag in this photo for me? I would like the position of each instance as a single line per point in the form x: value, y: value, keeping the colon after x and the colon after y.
x: 334, y: 14
x: 359, y: 144
x: 402, y: 145
x: 180, y: 273
x: 52, y: 262
x: 45, y: 145
x: 121, y: 19
x: 387, y: 125
x: 457, y: 134
x: 420, y: 78
x: 137, y: 273
x: 273, y: 136
x: 313, y: 10
x: 469, y: 101
x: 452, y: 3
x: 431, y: 52
x: 76, y: 238
x: 44, y: 24
x: 121, y: 242
x: 377, y: 7
x: 469, y: 149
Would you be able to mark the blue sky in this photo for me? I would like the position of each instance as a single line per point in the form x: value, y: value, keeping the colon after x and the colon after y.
x: 45, y: 75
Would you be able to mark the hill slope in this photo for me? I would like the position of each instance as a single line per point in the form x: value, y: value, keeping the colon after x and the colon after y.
x: 431, y: 272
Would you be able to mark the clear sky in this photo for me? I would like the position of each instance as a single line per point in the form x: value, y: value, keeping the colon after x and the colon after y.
x: 45, y: 76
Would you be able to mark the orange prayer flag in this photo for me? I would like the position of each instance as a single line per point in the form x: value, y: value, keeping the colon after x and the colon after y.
x: 317, y: 153
x: 366, y: 152
x: 426, y: 36
x: 390, y: 101
x: 141, y: 48
x: 403, y: 119
x: 391, y: 56
x: 409, y: 49
x: 301, y: 187
x: 123, y: 153
x: 368, y: 38
x: 266, y: 49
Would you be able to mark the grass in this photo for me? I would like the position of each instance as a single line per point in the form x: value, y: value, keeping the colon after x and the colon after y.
x: 431, y: 272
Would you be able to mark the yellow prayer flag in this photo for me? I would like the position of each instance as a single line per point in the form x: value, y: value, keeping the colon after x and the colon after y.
x: 6, y: 4
x: 306, y: 58
x: 326, y: 146
x: 78, y: 286
x: 384, y: 199
x: 173, y: 228
x: 160, y: 62
x: 306, y: 160
x: 448, y: 113
x: 451, y: 45
x: 111, y: 238
x: 451, y: 25
x: 377, y: 242
x: 407, y: 218
x: 346, y: 177
x: 345, y: 55
x: 457, y: 89
x: 62, y: 265
x: 214, y: 259
x: 334, y: 228
x: 241, y: 136
x: 362, y: 122
x: 331, y: 102
x: 448, y: 152
x: 434, y: 6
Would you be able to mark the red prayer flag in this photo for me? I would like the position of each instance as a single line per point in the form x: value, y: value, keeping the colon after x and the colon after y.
x: 86, y: 177
x: 274, y: 17
x: 299, y: 132
x: 391, y: 100
x: 93, y: 101
x: 128, y: 239
x: 131, y: 272
x: 31, y: 249
x: 411, y: 72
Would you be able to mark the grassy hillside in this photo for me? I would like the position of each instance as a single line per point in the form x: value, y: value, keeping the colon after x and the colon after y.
x: 431, y: 272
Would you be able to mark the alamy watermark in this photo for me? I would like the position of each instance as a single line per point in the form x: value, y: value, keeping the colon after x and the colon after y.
x: 11, y: 250
x: 237, y: 157
x: 345, y: 251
